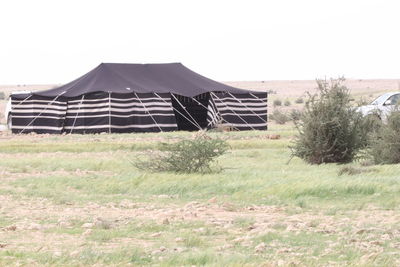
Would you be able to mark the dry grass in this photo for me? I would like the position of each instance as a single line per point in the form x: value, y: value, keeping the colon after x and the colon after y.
x: 75, y: 200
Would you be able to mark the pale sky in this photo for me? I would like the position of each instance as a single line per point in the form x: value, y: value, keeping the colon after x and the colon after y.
x: 56, y: 41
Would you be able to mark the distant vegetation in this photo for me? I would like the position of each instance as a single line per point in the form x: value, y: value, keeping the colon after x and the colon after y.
x: 277, y: 103
x: 279, y: 116
x: 299, y: 100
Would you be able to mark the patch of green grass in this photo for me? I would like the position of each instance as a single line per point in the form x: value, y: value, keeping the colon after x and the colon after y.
x: 244, y: 222
x: 74, y: 170
x: 192, y: 240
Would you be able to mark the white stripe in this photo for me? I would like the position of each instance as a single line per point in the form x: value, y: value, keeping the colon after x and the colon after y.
x: 99, y: 116
x: 236, y: 103
x: 241, y: 109
x: 118, y: 105
x: 118, y: 110
x: 244, y: 99
x: 47, y: 117
x: 119, y: 99
x: 123, y: 116
x: 42, y: 101
x: 246, y: 125
x: 121, y: 126
x: 246, y: 114
x: 37, y: 127
x: 38, y: 111
x: 30, y: 106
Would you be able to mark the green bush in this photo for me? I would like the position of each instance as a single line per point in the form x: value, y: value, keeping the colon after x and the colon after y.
x: 299, y: 100
x: 279, y: 117
x: 185, y: 156
x: 295, y: 114
x: 277, y: 103
x: 385, y: 144
x: 330, y: 129
x: 2, y: 96
x: 287, y: 103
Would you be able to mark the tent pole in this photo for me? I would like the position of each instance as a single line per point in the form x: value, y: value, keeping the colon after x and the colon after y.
x: 232, y: 111
x: 247, y: 107
x: 187, y: 112
x: 109, y: 112
x: 145, y: 108
x: 42, y: 111
x: 178, y: 112
x: 76, y: 116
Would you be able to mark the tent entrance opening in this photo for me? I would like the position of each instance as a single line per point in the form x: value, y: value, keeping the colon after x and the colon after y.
x: 189, y: 113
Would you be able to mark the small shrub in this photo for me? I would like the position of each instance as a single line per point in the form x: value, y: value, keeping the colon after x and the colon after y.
x: 330, y: 129
x: 185, y: 156
x: 2, y: 96
x: 279, y: 117
x: 277, y: 103
x: 350, y: 170
x: 287, y: 103
x: 295, y: 114
x: 299, y: 100
x: 362, y: 101
x: 385, y: 144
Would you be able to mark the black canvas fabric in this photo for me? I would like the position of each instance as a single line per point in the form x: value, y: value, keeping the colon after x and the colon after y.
x: 140, y: 78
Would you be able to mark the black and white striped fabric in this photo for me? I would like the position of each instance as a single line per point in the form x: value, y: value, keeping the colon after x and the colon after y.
x: 239, y: 111
x: 120, y: 113
x: 38, y: 114
x: 133, y: 112
x: 94, y: 113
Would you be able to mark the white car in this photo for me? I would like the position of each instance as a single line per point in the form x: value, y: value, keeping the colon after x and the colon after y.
x: 381, y: 106
x: 7, y: 113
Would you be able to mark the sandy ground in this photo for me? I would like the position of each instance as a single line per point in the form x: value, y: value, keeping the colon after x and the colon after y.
x: 284, y: 88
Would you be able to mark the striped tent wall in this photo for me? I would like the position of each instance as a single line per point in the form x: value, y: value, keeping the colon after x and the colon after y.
x: 213, y: 116
x: 120, y: 113
x: 94, y: 113
x: 38, y: 114
x: 240, y: 111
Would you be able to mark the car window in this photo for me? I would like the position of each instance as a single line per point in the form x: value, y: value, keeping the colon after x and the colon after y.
x: 379, y: 100
x: 394, y: 99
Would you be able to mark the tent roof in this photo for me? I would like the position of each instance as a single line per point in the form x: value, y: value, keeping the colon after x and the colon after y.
x: 141, y: 78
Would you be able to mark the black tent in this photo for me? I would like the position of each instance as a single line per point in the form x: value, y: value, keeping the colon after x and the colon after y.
x: 138, y: 98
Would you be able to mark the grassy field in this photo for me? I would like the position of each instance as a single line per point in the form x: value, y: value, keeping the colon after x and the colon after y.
x: 77, y: 200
